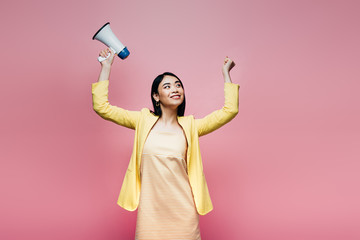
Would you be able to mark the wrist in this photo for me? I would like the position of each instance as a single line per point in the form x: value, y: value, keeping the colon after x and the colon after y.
x: 106, y: 66
x: 225, y: 73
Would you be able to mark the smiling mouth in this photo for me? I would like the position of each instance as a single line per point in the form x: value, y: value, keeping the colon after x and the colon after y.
x: 175, y: 96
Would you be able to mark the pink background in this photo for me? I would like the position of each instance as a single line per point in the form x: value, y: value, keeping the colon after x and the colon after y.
x: 286, y: 168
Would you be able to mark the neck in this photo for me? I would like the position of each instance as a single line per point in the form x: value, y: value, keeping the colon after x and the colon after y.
x: 168, y: 116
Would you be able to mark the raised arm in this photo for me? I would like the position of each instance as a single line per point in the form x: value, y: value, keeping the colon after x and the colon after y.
x: 230, y: 109
x: 101, y: 103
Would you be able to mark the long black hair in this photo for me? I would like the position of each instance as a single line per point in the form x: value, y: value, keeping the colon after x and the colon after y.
x: 154, y: 89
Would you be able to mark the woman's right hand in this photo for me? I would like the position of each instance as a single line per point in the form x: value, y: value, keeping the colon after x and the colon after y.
x: 109, y: 61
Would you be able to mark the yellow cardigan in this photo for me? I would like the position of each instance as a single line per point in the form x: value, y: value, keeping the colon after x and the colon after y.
x: 142, y: 121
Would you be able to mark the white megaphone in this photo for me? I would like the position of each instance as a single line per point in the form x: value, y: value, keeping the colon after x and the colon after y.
x: 106, y: 36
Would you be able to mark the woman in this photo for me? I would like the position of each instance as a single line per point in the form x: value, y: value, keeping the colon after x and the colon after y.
x: 165, y: 179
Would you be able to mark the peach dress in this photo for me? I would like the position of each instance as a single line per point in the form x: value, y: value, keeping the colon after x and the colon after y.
x: 166, y: 209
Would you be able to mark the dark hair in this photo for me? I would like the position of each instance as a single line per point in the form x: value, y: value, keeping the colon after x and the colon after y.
x: 154, y: 89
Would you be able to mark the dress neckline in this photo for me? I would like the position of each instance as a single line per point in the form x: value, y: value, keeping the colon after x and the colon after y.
x: 159, y: 131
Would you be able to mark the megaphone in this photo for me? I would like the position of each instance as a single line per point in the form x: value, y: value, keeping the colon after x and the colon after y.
x: 106, y: 36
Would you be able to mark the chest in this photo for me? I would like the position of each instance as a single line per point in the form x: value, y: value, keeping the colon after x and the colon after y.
x: 166, y: 143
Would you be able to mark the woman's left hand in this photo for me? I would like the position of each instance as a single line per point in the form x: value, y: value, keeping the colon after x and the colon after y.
x: 228, y: 65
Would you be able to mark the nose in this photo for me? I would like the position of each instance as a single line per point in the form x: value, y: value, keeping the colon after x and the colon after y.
x: 174, y: 89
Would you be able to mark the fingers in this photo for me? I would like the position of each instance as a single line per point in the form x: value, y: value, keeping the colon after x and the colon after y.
x: 104, y: 53
x: 228, y: 64
x: 227, y: 60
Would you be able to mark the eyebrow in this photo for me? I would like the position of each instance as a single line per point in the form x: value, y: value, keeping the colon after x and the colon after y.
x: 177, y: 81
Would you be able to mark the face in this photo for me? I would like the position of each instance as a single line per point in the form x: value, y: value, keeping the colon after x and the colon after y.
x: 171, y: 93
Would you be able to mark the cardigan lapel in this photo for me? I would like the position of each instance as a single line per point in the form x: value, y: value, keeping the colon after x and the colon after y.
x: 185, y: 126
x: 184, y: 123
x: 149, y: 122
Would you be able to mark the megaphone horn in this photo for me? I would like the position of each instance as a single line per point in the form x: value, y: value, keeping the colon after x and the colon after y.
x: 106, y: 36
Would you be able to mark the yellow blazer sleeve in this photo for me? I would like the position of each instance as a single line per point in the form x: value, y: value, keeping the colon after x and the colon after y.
x: 222, y: 116
x: 115, y: 114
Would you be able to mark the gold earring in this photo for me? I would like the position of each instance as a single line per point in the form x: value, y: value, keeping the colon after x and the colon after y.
x: 157, y: 103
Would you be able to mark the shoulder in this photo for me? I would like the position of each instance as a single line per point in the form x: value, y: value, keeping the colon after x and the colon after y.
x: 147, y: 113
x: 186, y: 120
x: 187, y: 117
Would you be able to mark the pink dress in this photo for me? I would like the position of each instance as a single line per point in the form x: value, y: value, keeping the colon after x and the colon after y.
x: 166, y: 209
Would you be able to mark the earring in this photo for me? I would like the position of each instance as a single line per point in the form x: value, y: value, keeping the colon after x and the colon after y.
x: 157, y: 103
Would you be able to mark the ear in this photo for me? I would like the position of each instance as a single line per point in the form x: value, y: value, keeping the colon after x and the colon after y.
x: 156, y: 96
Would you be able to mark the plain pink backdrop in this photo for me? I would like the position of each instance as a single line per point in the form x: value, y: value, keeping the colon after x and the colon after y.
x: 286, y: 168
